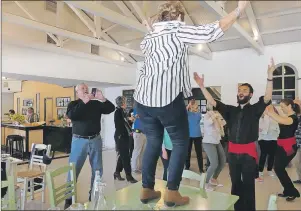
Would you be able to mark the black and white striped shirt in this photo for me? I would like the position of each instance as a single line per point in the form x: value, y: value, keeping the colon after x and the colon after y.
x: 165, y: 74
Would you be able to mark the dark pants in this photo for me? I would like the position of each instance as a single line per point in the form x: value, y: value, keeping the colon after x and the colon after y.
x: 165, y: 164
x: 243, y: 169
x: 198, y: 149
x: 131, y: 145
x: 173, y: 118
x: 123, y: 154
x: 267, y: 149
x: 281, y: 162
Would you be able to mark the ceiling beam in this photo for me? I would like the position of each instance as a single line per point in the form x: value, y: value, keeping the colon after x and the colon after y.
x: 140, y: 13
x: 84, y: 18
x: 110, y: 15
x: 211, y: 5
x: 95, y: 28
x: 125, y: 10
x: 253, y: 24
x: 109, y: 28
x: 65, y: 33
x: 32, y: 17
x: 194, y: 49
x: 282, y: 30
x: 279, y: 13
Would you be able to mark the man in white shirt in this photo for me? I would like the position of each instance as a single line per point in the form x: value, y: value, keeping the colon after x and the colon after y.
x: 163, y: 83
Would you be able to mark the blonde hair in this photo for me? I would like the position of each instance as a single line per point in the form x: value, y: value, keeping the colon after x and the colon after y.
x: 170, y: 11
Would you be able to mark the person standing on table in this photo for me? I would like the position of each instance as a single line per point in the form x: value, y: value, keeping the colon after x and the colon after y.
x: 162, y: 85
x: 243, y: 123
x: 139, y: 144
x: 286, y: 145
x: 195, y: 135
x: 85, y: 114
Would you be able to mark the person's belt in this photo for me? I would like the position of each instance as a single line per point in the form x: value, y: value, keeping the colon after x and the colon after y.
x: 287, y: 144
x: 249, y: 149
x: 86, y: 137
x: 137, y: 131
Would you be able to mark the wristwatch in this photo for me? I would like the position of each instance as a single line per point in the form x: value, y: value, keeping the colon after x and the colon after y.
x: 269, y: 79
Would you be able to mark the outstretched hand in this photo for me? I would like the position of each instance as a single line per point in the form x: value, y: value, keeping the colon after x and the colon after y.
x: 271, y: 67
x: 199, y: 80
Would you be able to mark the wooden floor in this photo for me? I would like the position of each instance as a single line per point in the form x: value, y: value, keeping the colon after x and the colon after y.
x: 263, y: 190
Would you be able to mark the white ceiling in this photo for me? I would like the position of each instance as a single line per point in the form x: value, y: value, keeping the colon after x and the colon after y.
x: 58, y: 81
x: 277, y: 21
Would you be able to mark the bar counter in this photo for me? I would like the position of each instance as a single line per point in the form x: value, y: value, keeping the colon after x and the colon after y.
x: 31, y: 134
x: 59, y: 137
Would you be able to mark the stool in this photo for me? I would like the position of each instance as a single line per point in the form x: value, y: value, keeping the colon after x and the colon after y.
x: 17, y: 140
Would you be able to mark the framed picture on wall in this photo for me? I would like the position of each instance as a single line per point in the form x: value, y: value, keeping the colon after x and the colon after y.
x: 62, y: 101
x: 28, y: 102
x: 24, y: 111
x: 61, y: 112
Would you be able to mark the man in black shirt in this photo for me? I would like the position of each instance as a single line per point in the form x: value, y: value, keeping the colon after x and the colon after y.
x: 243, y: 123
x: 85, y: 114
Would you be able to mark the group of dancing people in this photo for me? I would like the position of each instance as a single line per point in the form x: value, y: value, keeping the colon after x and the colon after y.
x: 162, y: 85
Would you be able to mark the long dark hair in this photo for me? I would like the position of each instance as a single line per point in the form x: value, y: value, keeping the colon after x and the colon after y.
x: 294, y: 106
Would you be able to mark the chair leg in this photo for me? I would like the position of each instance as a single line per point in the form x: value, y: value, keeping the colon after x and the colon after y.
x: 43, y: 189
x: 32, y: 189
x: 24, y: 195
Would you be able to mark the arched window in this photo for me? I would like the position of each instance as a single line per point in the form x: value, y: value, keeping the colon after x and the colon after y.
x: 284, y: 82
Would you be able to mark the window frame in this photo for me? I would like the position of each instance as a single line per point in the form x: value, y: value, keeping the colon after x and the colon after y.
x: 283, y: 76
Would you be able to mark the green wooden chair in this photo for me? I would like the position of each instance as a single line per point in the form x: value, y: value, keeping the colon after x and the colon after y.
x: 10, y: 203
x: 272, y: 202
x: 65, y: 191
x: 201, y: 178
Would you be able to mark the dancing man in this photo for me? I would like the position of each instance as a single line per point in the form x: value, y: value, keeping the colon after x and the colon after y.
x: 243, y: 123
x: 163, y: 82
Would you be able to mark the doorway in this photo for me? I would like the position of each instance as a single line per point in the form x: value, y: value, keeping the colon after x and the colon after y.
x: 48, y: 109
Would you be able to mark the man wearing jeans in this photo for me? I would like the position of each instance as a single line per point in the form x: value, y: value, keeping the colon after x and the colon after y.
x: 139, y: 144
x: 85, y: 114
x: 163, y: 83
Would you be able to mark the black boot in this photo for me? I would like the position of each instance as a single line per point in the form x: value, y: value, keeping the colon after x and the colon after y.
x: 68, y: 203
x: 118, y: 176
x: 131, y: 179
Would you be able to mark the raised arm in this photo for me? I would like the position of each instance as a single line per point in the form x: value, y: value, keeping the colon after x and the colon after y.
x: 226, y: 22
x: 269, y: 86
x: 210, y: 32
x: 200, y: 81
x: 280, y: 119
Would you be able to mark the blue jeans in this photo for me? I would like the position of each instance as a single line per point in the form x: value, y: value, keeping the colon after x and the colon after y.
x: 174, y: 118
x: 80, y: 148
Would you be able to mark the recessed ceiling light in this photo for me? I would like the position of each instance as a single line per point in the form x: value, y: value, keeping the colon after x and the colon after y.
x: 4, y: 77
x: 200, y: 47
x: 122, y: 58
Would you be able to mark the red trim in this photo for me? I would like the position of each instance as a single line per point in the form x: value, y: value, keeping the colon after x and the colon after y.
x: 287, y: 144
x: 249, y: 149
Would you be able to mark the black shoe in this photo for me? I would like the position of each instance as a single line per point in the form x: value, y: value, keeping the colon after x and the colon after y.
x: 68, y: 203
x: 282, y: 195
x: 290, y: 198
x: 118, y: 177
x: 131, y: 179
x: 297, y: 181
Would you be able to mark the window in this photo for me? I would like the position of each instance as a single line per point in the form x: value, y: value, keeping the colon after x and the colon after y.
x: 50, y: 40
x: 95, y: 49
x: 51, y: 5
x: 284, y: 82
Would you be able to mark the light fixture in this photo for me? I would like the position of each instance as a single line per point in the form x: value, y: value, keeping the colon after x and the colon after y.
x: 4, y: 77
x: 122, y: 59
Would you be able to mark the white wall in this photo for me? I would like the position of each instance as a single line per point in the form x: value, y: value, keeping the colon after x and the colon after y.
x: 29, y: 61
x: 7, y: 103
x: 229, y: 68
